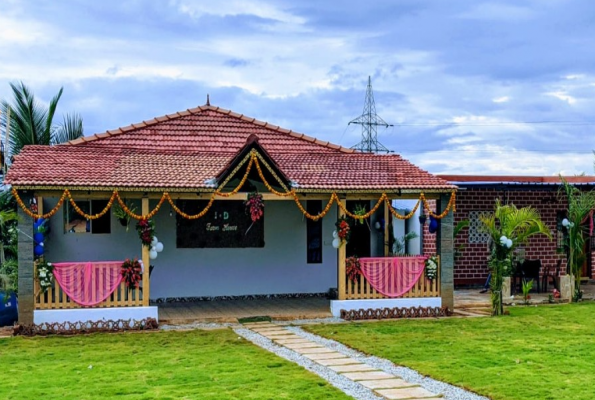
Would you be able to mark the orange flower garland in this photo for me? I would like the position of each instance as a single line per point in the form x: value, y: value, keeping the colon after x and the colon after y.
x: 252, y: 159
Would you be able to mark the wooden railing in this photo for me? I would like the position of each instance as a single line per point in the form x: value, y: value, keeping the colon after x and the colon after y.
x: 55, y: 299
x: 361, y: 288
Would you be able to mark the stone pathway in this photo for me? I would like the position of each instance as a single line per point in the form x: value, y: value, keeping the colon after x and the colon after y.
x: 381, y: 383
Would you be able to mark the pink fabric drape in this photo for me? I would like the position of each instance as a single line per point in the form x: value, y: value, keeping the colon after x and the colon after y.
x: 393, y: 276
x: 88, y: 283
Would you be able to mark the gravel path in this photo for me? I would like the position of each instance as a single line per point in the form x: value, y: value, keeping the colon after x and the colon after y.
x: 450, y: 392
x: 347, y: 386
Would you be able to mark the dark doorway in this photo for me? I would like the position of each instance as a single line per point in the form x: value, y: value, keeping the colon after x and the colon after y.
x: 359, y: 243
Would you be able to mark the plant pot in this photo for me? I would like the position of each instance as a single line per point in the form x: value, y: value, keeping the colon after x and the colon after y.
x: 123, y: 221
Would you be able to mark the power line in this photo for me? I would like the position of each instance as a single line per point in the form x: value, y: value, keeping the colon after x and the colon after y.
x: 577, y: 123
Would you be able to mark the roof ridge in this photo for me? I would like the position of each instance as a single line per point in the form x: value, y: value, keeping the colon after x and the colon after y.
x: 199, y: 109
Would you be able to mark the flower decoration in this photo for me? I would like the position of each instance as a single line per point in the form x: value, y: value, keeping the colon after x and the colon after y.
x: 146, y: 231
x: 132, y: 273
x: 45, y: 275
x: 343, y: 229
x: 254, y: 206
x: 353, y: 268
x: 431, y: 268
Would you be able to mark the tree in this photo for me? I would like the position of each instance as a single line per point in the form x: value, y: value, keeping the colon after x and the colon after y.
x: 508, y: 227
x: 33, y: 123
x: 580, y: 206
x: 8, y: 244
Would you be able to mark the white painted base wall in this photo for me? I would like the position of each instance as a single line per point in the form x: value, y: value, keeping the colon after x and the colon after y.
x: 338, y: 305
x: 94, y: 314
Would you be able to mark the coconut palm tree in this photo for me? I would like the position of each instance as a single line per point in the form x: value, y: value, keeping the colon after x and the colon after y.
x: 580, y: 207
x: 508, y: 227
x: 33, y: 123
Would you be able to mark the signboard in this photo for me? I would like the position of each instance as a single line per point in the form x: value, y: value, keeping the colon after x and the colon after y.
x: 226, y: 225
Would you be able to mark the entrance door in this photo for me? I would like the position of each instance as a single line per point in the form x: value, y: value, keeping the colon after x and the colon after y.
x: 359, y: 242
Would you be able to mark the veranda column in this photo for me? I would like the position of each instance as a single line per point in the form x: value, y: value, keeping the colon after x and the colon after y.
x: 25, y: 258
x: 445, y: 244
x: 386, y: 230
x: 341, y: 259
x: 146, y: 259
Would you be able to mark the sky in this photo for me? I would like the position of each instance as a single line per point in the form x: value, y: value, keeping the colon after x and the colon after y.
x: 470, y: 86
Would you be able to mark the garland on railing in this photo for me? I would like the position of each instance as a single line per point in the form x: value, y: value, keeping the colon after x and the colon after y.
x: 431, y: 268
x: 132, y: 273
x: 45, y: 275
x: 353, y: 268
x: 253, y: 159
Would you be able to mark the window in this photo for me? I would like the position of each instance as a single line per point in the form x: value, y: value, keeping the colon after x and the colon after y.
x: 225, y: 225
x: 476, y: 235
x: 314, y: 233
x: 76, y: 223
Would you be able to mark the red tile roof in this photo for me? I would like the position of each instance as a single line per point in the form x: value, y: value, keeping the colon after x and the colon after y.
x: 517, y: 179
x: 184, y: 150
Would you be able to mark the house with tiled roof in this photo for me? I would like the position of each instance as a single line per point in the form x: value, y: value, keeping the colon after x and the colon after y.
x: 478, y: 195
x: 240, y: 208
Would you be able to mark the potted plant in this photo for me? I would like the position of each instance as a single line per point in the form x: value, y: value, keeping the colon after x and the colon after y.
x: 122, y: 215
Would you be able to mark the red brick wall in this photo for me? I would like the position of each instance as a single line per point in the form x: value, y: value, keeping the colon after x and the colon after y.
x: 429, y: 239
x: 471, y: 262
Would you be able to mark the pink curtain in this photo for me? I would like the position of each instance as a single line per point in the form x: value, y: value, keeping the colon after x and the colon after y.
x: 393, y: 276
x: 88, y: 283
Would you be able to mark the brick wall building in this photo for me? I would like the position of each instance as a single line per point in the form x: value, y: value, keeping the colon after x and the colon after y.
x: 478, y: 194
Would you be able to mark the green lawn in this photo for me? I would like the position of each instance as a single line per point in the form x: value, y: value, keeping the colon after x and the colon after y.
x: 538, y: 353
x: 158, y: 365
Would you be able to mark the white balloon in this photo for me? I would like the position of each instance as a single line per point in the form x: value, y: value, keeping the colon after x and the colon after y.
x: 152, y: 254
x: 509, y: 243
x: 503, y: 240
x: 335, y: 234
x: 336, y: 243
x: 159, y: 247
x: 154, y: 241
x: 565, y: 222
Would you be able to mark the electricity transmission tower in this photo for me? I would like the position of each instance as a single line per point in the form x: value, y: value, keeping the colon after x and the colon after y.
x: 370, y: 122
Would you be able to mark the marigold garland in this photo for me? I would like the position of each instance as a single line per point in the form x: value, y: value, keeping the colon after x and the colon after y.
x: 253, y: 158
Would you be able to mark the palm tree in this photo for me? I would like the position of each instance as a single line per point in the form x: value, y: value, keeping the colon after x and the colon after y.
x: 33, y: 123
x: 508, y: 227
x: 580, y: 206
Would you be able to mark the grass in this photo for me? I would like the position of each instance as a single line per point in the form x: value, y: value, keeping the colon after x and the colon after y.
x: 536, y: 353
x: 159, y: 365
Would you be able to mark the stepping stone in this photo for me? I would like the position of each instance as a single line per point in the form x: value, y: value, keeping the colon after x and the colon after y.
x: 324, y: 356
x: 291, y: 341
x: 294, y: 346
x: 386, y: 383
x: 337, y: 361
x: 352, y: 368
x: 407, y: 393
x: 365, y: 376
x: 314, y: 350
x: 266, y: 328
x: 276, y: 332
x: 276, y: 337
x: 258, y: 324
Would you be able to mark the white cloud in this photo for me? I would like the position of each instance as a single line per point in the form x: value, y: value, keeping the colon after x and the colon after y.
x: 261, y: 9
x: 562, y: 96
x: 502, y: 99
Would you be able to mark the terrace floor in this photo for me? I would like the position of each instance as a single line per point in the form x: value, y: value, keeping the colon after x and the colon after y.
x: 313, y: 307
x: 231, y: 310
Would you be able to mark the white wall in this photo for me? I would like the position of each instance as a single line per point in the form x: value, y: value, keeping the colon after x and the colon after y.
x: 279, y: 267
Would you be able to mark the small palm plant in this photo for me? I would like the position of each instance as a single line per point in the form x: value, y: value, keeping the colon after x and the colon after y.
x: 580, y: 205
x: 508, y: 227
